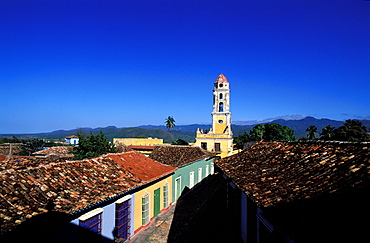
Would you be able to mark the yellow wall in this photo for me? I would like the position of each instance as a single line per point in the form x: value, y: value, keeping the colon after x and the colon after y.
x: 150, y: 189
x: 220, y: 127
x: 138, y: 141
x: 225, y: 143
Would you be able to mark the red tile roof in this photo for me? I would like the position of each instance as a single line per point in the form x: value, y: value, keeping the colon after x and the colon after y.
x: 28, y: 184
x: 276, y: 172
x: 179, y: 155
x: 141, y: 147
x: 72, y: 136
x: 141, y: 166
x: 221, y: 79
x: 5, y: 148
x: 58, y: 151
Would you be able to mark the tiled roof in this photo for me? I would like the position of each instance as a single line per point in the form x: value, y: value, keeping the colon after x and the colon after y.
x: 122, y: 148
x: 276, y: 172
x: 60, y: 151
x: 221, y: 79
x: 178, y: 155
x: 141, y: 147
x: 28, y: 184
x: 5, y: 148
x: 141, y: 166
x: 72, y: 136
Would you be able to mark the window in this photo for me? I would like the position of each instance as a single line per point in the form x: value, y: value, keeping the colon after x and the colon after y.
x: 221, y: 107
x: 123, y: 218
x: 92, y: 220
x: 221, y: 96
x: 217, y: 147
x: 165, y: 196
x: 220, y: 121
x: 145, y: 209
x: 204, y: 146
x: 207, y: 170
x: 212, y: 168
x: 177, y: 187
x: 191, y: 182
x: 199, y: 174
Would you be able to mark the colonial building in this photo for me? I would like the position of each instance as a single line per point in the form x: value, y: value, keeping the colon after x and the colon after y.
x: 286, y: 192
x: 193, y: 165
x: 220, y: 137
x: 115, y: 195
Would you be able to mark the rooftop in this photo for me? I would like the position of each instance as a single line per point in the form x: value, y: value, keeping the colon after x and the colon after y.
x: 61, y: 151
x: 271, y: 173
x: 29, y: 184
x: 221, y: 79
x: 179, y: 155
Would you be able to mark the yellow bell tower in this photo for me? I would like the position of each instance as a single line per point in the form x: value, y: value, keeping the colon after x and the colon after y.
x: 220, y: 137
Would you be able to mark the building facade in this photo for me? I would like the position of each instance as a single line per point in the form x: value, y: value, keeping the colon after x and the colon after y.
x: 193, y: 165
x: 220, y: 137
x: 114, y: 195
x: 286, y: 192
x: 138, y: 141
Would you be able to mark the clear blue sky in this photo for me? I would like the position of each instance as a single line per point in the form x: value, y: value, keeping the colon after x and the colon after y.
x: 67, y: 64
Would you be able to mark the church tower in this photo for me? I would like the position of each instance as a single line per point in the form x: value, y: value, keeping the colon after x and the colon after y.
x: 220, y: 137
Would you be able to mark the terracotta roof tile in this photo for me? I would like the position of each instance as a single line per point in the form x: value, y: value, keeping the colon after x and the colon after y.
x: 58, y: 151
x: 28, y: 184
x: 178, y: 155
x: 5, y: 148
x: 221, y: 79
x: 141, y: 147
x: 277, y: 172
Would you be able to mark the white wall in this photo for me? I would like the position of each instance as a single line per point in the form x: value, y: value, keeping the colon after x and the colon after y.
x: 109, y: 219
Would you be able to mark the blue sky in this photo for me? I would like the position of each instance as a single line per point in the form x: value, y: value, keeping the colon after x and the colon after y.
x: 67, y: 64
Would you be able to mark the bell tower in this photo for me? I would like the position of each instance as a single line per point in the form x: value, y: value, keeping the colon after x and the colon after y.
x: 219, y: 139
x: 221, y: 115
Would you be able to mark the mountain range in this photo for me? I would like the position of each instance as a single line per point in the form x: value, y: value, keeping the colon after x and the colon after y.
x: 187, y: 132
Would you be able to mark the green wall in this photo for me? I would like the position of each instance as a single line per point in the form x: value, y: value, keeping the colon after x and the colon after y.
x: 184, y: 174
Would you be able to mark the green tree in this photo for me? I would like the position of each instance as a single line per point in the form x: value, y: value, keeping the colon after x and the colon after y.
x: 351, y: 130
x: 30, y: 146
x: 276, y: 132
x: 93, y: 146
x: 242, y: 139
x: 267, y: 132
x: 327, y: 132
x: 179, y: 142
x: 312, y: 130
x: 257, y: 132
x: 170, y: 123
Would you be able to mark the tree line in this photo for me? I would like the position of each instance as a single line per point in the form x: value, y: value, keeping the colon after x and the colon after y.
x: 351, y: 130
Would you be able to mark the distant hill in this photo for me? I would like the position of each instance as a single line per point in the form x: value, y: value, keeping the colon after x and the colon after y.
x: 185, y: 132
x: 112, y: 132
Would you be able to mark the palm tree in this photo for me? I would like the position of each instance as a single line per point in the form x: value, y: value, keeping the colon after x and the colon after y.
x: 327, y: 132
x: 170, y: 123
x: 312, y: 130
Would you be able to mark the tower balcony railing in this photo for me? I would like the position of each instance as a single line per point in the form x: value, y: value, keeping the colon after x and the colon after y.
x: 211, y: 134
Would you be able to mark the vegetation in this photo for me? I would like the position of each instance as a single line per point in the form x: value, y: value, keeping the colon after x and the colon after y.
x: 170, y: 123
x: 327, y: 132
x: 179, y: 142
x: 242, y: 139
x: 93, y: 146
x: 312, y: 131
x: 10, y: 140
x: 267, y: 132
x: 30, y: 146
x: 352, y: 130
